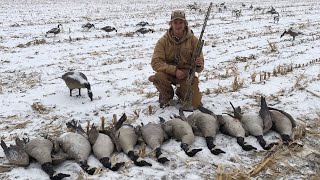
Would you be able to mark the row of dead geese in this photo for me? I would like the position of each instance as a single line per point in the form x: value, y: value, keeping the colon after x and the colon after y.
x: 107, y: 29
x: 78, y: 145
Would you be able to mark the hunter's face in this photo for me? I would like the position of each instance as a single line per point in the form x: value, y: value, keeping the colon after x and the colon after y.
x: 178, y: 26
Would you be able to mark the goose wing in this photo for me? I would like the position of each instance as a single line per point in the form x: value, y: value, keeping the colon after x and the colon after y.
x: 286, y: 114
x: 16, y: 154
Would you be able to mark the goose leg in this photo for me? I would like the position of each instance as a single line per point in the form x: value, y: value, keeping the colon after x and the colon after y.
x: 191, y: 153
x: 87, y: 168
x: 79, y: 91
x: 47, y: 167
x: 106, y: 163
x: 160, y: 157
x: 240, y: 141
x: 135, y: 159
x: 261, y: 141
x: 71, y: 92
x: 211, y: 145
x: 285, y: 138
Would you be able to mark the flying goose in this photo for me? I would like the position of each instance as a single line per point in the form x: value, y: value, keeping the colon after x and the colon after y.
x: 77, y: 80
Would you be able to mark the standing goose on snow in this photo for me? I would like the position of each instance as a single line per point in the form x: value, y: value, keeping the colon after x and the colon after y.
x: 109, y: 29
x: 77, y: 146
x: 144, y: 31
x: 16, y: 154
x: 154, y: 136
x: 205, y: 125
x: 88, y: 26
x: 231, y: 126
x: 283, y: 123
x: 102, y: 145
x: 292, y: 33
x: 142, y: 23
x: 41, y: 149
x: 127, y: 139
x: 254, y: 123
x: 54, y: 31
x: 77, y: 80
x: 181, y: 131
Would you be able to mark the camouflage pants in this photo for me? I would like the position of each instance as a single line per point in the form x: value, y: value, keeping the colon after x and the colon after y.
x: 164, y: 82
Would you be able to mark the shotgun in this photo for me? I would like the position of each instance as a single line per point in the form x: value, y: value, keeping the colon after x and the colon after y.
x: 187, y: 101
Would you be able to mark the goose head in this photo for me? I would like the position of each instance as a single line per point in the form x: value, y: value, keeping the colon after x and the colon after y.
x: 285, y: 32
x: 88, y: 86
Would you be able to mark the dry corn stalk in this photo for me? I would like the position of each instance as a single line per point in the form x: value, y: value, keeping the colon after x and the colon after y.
x: 88, y: 126
x: 150, y: 109
x: 253, y: 76
x: 142, y: 150
x: 235, y: 84
x: 260, y: 166
x: 274, y: 73
x: 38, y: 106
x: 273, y: 47
x: 102, y: 123
x: 114, y: 119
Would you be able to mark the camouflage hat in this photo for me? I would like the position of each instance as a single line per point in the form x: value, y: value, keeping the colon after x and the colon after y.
x: 178, y: 14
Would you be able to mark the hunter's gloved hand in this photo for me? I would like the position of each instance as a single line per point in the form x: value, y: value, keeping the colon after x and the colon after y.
x: 199, y: 61
x: 180, y: 74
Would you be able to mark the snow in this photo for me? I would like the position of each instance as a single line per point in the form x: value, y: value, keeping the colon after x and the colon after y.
x: 117, y: 66
x: 77, y: 76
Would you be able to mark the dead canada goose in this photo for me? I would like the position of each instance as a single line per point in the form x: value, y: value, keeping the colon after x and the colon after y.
x: 16, y: 154
x: 144, y: 31
x: 231, y: 126
x: 88, y: 26
x: 41, y: 149
x: 292, y: 33
x: 55, y: 31
x: 283, y: 123
x: 128, y: 138
x: 77, y: 147
x: 254, y: 123
x: 205, y: 125
x: 181, y: 131
x: 103, y: 145
x: 77, y: 80
x: 154, y: 136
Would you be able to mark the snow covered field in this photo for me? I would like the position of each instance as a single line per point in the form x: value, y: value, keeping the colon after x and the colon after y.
x: 118, y: 66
